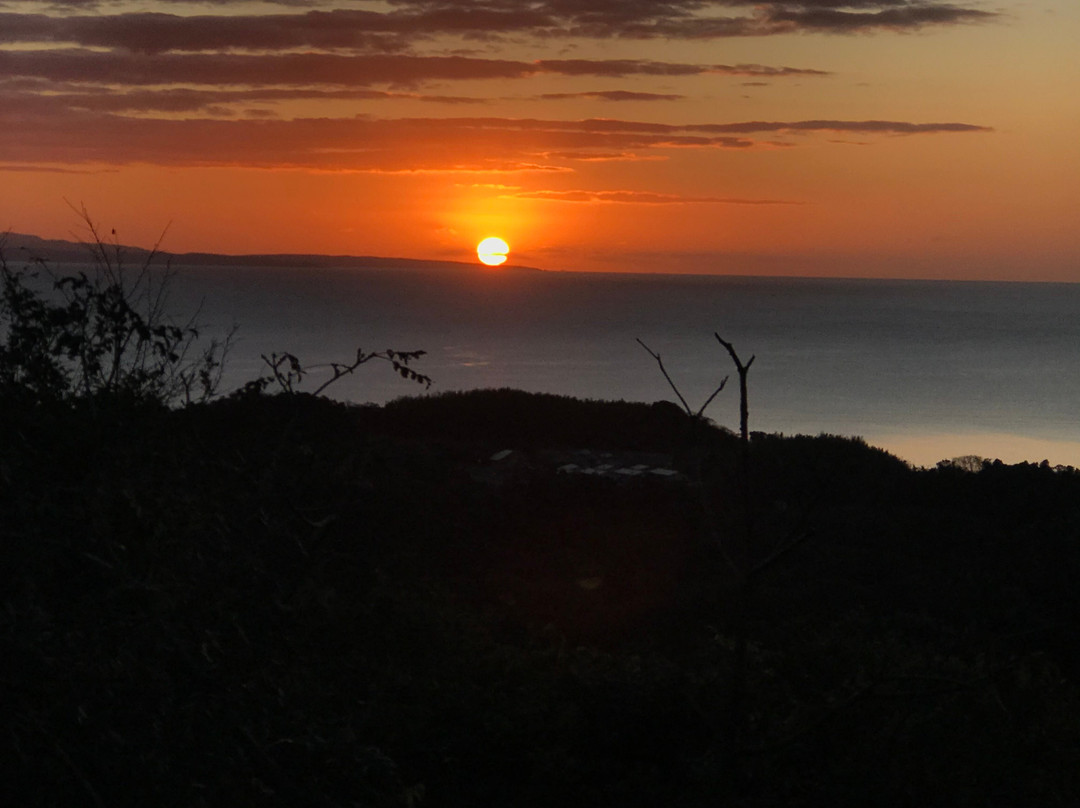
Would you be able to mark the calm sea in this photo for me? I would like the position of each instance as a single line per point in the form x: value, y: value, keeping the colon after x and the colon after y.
x: 926, y: 369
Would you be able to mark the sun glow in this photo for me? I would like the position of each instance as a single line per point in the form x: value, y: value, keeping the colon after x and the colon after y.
x: 492, y: 251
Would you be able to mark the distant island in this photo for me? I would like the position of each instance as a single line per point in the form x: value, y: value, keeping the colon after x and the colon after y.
x: 60, y: 251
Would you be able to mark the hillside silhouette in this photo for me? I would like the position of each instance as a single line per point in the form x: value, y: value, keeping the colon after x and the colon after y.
x: 284, y: 599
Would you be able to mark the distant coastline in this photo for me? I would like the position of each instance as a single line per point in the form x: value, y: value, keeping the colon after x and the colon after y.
x: 60, y: 251
x: 22, y: 246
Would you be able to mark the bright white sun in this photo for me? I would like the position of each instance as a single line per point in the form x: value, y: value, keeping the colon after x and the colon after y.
x: 492, y: 251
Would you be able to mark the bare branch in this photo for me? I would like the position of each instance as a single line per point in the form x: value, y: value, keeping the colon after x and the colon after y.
x: 294, y: 371
x: 781, y: 550
x: 715, y: 392
x: 344, y: 370
x: 734, y: 356
x: 686, y: 406
x: 663, y: 370
x: 744, y: 409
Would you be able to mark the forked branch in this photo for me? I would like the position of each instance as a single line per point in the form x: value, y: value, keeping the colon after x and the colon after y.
x: 686, y: 406
x: 744, y: 409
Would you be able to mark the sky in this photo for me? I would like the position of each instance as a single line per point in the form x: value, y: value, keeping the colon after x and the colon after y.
x: 860, y: 138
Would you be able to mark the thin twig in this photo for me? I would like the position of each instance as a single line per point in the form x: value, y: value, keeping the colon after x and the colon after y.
x: 686, y: 406
x: 343, y: 370
x: 663, y: 370
x: 781, y: 550
x: 715, y: 392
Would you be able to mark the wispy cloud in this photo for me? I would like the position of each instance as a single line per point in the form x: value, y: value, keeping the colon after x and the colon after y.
x: 122, y: 68
x: 880, y: 127
x: 766, y: 71
x: 602, y: 157
x: 89, y: 56
x: 279, y: 83
x: 155, y: 32
x: 26, y: 167
x: 405, y: 144
x: 372, y: 27
x: 644, y: 198
x: 219, y: 102
x: 841, y: 18
x: 127, y: 69
x: 611, y: 95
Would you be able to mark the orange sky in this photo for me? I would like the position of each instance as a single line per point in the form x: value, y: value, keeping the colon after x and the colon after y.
x: 918, y: 138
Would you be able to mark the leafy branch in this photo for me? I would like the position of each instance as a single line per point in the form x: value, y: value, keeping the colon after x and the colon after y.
x: 102, y: 332
x: 288, y: 372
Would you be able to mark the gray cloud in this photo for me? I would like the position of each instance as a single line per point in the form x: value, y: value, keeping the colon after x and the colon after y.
x: 130, y: 69
x: 880, y: 127
x: 126, y: 69
x: 71, y: 138
x: 213, y: 101
x: 88, y: 85
x: 157, y: 32
x: 836, y: 20
x: 411, y: 21
x: 766, y: 70
x: 644, y: 198
x: 611, y: 95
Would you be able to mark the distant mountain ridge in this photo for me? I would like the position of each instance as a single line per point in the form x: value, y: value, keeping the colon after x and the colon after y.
x: 21, y: 246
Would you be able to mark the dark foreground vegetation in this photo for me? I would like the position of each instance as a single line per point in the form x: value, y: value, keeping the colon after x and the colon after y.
x: 282, y: 600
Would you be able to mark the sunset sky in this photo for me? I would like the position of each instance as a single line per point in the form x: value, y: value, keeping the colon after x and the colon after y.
x: 902, y: 138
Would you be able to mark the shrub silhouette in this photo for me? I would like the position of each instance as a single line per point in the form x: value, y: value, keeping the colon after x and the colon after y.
x: 105, y: 334
x: 100, y: 333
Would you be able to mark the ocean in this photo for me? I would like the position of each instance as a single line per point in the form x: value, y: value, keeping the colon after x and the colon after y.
x: 928, y: 370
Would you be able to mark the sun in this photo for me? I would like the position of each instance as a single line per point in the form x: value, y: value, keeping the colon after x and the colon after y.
x: 492, y: 251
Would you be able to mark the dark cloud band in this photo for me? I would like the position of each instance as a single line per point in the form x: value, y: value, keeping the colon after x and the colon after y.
x: 411, y: 21
x: 75, y: 138
x: 130, y: 69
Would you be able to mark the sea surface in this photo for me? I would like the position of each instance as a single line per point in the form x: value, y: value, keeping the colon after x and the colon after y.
x: 925, y: 369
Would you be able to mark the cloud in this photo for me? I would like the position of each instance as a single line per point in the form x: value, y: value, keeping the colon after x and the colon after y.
x: 20, y: 167
x: 618, y: 67
x: 79, y: 138
x: 483, y: 144
x: 154, y: 32
x: 837, y: 20
x: 612, y: 95
x: 881, y: 127
x: 218, y: 102
x: 643, y: 198
x: 603, y: 157
x: 130, y: 69
x: 125, y: 69
x: 742, y: 127
x: 765, y: 71
x: 628, y: 67
x: 710, y: 19
x: 489, y: 186
x: 373, y: 28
